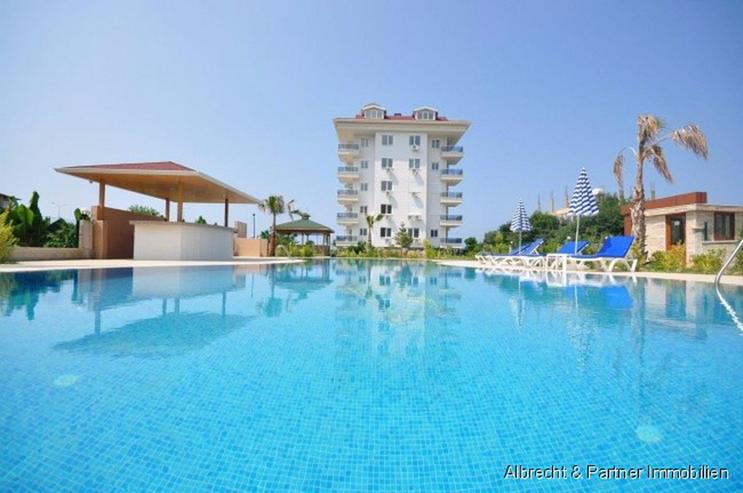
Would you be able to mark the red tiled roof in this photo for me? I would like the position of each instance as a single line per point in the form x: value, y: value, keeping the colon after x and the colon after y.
x: 154, y: 166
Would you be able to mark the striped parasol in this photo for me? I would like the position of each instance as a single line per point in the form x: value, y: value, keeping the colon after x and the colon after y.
x: 520, y: 221
x: 583, y: 202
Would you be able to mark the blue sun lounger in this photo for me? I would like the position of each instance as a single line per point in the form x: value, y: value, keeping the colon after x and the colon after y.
x: 614, y: 250
x: 511, y: 259
x: 536, y: 260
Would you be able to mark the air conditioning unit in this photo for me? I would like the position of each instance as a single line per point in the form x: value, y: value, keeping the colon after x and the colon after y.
x: 415, y: 147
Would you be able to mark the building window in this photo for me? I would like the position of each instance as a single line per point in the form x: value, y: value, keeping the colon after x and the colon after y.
x: 435, y: 166
x: 364, y: 164
x: 375, y: 114
x: 386, y: 186
x: 364, y: 142
x: 426, y: 115
x: 385, y: 232
x: 363, y: 232
x: 434, y: 233
x: 364, y: 187
x: 415, y: 140
x: 387, y: 140
x: 415, y: 232
x: 724, y: 226
x: 435, y: 143
x: 363, y: 209
x: 414, y: 163
x: 386, y: 163
x: 386, y: 208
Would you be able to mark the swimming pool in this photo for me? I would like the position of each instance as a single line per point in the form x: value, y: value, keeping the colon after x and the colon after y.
x: 361, y: 376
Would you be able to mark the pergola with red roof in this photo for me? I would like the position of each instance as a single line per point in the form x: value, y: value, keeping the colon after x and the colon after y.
x: 167, y: 180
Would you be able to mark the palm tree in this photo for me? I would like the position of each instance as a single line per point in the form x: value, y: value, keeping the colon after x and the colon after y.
x: 370, y: 221
x: 273, y: 205
x: 649, y: 139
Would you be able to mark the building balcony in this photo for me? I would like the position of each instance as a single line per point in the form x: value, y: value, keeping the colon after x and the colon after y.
x: 348, y: 196
x: 452, y: 154
x: 348, y: 173
x: 451, y: 198
x: 347, y: 218
x: 348, y: 152
x: 346, y: 240
x: 452, y: 242
x: 452, y: 176
x: 450, y: 221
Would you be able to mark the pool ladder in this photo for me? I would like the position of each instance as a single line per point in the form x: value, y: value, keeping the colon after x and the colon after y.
x: 724, y: 302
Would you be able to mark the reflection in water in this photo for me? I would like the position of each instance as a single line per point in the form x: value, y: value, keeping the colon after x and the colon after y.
x: 23, y: 290
x: 384, y: 364
x: 396, y: 309
x: 167, y: 335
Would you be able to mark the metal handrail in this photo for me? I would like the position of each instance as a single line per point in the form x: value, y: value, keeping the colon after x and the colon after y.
x: 723, y: 301
x: 727, y: 262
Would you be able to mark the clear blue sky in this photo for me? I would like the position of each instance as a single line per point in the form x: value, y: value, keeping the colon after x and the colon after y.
x: 246, y: 92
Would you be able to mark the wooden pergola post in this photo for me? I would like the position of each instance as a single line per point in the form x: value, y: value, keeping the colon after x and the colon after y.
x: 101, y: 200
x: 226, y: 211
x: 167, y: 209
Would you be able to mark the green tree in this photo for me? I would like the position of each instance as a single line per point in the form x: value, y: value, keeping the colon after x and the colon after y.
x: 273, y: 205
x: 471, y: 245
x: 144, y: 210
x: 29, y: 225
x: 649, y: 140
x: 7, y: 239
x: 64, y: 235
x: 370, y: 221
x: 403, y: 238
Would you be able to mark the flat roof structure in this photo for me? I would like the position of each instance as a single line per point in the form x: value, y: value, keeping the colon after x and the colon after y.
x: 165, y: 179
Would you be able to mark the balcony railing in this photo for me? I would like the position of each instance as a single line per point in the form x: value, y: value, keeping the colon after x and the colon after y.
x: 452, y: 149
x: 348, y: 193
x: 349, y: 169
x: 346, y: 239
x: 348, y: 147
x: 451, y: 195
x: 452, y: 172
x: 347, y: 215
x: 451, y: 241
x: 450, y: 217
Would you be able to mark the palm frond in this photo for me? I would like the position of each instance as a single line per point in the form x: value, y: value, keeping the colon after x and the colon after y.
x: 655, y: 153
x: 274, y: 204
x: 648, y: 127
x: 693, y: 139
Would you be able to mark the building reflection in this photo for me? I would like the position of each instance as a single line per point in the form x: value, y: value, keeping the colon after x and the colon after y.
x: 172, y: 331
x: 395, y: 310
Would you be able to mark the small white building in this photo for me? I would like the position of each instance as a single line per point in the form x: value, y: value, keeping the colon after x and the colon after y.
x: 689, y: 219
x: 404, y: 167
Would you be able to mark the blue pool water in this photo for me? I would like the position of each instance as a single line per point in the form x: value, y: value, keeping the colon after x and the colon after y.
x: 361, y: 376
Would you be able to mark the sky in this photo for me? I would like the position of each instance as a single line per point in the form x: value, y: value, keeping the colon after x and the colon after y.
x: 246, y: 92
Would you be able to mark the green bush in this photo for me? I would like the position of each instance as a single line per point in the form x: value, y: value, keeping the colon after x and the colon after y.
x: 708, y: 263
x: 673, y: 260
x: 7, y: 239
x: 63, y: 236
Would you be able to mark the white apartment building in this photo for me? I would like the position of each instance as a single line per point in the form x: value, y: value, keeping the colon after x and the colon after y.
x: 403, y: 167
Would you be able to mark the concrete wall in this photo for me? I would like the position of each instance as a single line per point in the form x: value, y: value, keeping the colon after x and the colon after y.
x: 45, y: 253
x: 695, y: 243
x: 155, y: 240
x: 251, y: 247
x: 84, y: 248
x: 113, y: 235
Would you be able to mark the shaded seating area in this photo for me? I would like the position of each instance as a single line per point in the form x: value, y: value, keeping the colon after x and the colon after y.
x: 307, y: 229
x: 123, y: 234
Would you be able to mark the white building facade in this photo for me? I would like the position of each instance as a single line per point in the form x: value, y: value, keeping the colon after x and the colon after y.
x: 403, y: 167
